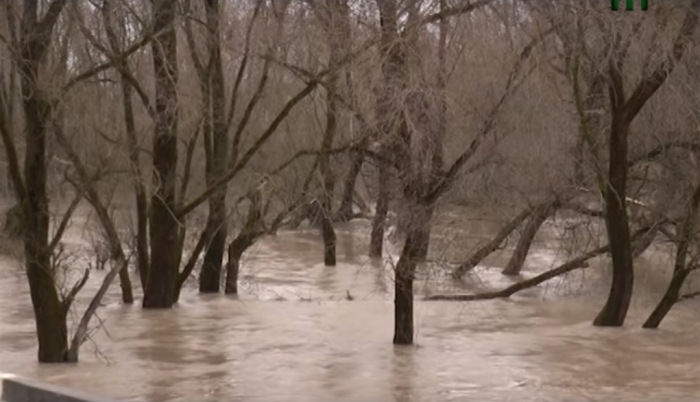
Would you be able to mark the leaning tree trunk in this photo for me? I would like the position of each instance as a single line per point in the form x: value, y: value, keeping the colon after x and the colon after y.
x: 681, y: 270
x: 164, y: 228
x: 539, y: 216
x: 493, y: 245
x: 670, y: 298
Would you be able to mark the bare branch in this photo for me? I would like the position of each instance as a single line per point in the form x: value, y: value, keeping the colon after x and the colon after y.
x: 448, y: 177
x: 465, y: 8
x: 689, y: 145
x: 65, y: 220
x: 651, y: 83
x: 244, y: 64
x: 77, y: 287
x: 576, y: 263
x: 310, y: 86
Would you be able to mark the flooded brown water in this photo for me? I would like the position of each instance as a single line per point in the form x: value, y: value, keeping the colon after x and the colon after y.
x: 293, y: 335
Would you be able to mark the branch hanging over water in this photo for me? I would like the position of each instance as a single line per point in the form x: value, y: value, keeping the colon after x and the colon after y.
x: 578, y: 262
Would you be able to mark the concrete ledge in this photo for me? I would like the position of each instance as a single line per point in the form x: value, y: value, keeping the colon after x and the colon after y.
x: 22, y: 390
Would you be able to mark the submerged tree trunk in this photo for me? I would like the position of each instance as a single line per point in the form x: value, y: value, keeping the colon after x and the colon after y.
x: 623, y: 113
x: 49, y: 311
x: 142, y: 258
x: 403, y: 283
x: 573, y: 264
x: 493, y: 245
x: 334, y: 16
x: 246, y: 238
x: 669, y: 299
x: 164, y: 227
x: 327, y: 230
x: 616, y: 222
x: 210, y: 277
x: 235, y: 251
x: 681, y: 268
x: 539, y: 216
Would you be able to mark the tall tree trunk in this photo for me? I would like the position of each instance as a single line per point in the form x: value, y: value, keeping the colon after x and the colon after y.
x: 334, y: 15
x: 327, y: 230
x: 376, y: 243
x: 142, y: 258
x: 49, y: 311
x: 539, y: 216
x: 210, y: 278
x: 623, y: 113
x: 616, y: 222
x: 164, y: 227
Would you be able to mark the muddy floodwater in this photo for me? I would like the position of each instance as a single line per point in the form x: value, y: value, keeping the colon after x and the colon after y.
x: 293, y: 334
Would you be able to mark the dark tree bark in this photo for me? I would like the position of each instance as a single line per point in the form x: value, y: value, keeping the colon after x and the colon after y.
x: 576, y: 263
x: 49, y: 311
x: 681, y: 268
x: 164, y: 225
x: 539, y: 216
x: 213, y: 89
x: 616, y: 222
x: 668, y: 300
x: 403, y: 291
x: 251, y: 231
x: 623, y: 113
x: 235, y: 251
